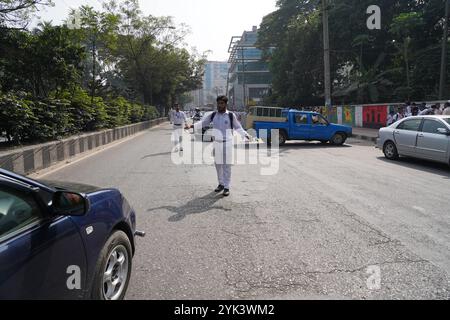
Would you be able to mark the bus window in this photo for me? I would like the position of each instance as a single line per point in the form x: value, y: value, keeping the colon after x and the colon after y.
x: 266, y: 112
x: 273, y: 113
x: 278, y: 113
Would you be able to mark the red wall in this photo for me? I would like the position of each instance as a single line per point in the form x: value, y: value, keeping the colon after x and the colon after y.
x: 374, y: 116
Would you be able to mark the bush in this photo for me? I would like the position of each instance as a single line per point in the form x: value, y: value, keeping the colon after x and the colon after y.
x: 86, y: 115
x: 16, y: 117
x: 118, y: 111
x: 137, y: 113
x: 82, y: 111
x: 22, y: 119
x: 52, y: 120
x: 100, y: 120
x: 150, y: 113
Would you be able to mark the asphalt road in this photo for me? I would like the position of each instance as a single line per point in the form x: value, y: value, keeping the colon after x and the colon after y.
x: 316, y: 229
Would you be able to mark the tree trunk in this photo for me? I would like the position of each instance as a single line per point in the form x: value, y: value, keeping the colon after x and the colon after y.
x: 94, y: 47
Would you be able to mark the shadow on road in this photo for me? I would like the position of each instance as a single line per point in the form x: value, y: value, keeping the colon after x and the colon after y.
x: 194, y: 206
x: 156, y: 155
x: 428, y: 166
x: 311, y: 145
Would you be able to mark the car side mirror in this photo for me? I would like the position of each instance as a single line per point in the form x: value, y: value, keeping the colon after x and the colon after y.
x: 443, y: 131
x: 67, y: 203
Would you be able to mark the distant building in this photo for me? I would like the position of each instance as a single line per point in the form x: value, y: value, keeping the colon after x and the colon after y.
x: 214, y: 84
x: 249, y: 76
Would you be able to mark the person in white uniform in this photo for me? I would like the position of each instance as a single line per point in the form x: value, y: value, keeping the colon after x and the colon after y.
x: 446, y: 111
x: 224, y: 124
x: 179, y: 120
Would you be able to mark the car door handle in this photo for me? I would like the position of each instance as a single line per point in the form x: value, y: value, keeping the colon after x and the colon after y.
x: 421, y: 135
x: 396, y: 132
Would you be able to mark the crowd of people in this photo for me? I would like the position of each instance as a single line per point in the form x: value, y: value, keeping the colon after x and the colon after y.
x: 413, y: 109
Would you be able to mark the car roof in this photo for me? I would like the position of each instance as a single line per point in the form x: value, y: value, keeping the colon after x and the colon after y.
x: 301, y: 111
x: 428, y: 117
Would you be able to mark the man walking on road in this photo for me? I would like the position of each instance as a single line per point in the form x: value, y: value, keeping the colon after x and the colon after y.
x: 179, y: 120
x: 224, y: 122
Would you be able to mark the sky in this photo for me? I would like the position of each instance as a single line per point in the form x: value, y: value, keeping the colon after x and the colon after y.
x: 212, y: 22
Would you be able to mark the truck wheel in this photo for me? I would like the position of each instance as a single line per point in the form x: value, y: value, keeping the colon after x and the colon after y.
x: 282, y: 138
x: 338, y: 139
x: 113, y: 270
x: 390, y: 150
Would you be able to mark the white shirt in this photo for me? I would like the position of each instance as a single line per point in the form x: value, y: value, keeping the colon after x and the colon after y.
x: 221, y: 126
x: 390, y: 119
x: 425, y: 112
x: 408, y: 111
x: 446, y: 111
x: 178, y: 118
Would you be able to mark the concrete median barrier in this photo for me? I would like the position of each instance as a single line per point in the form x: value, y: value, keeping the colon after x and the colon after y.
x: 42, y: 156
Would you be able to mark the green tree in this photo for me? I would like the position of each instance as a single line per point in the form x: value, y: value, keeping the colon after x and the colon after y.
x: 48, y: 60
x: 16, y: 13
x: 99, y: 34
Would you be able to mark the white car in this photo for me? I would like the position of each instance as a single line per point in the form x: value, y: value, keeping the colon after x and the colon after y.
x: 425, y: 137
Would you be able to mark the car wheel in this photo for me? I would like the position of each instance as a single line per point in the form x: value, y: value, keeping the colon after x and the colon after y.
x: 338, y: 139
x: 113, y: 269
x: 282, y: 138
x: 390, y: 150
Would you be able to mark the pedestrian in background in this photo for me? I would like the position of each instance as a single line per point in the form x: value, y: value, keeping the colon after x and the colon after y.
x: 390, y: 119
x: 427, y: 111
x: 408, y: 109
x: 438, y: 110
x: 179, y: 120
x: 415, y: 110
x: 446, y: 111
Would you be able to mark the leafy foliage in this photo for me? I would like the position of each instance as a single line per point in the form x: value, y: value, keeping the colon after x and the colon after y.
x: 101, y: 69
x: 399, y: 62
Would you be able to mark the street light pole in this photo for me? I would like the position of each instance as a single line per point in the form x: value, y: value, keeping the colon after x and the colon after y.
x: 444, y: 52
x: 326, y: 57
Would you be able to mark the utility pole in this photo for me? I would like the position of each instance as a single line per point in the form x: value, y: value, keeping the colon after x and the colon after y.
x: 326, y: 57
x: 228, y: 83
x: 444, y: 52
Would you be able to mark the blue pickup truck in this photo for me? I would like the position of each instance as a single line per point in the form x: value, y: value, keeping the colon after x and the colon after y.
x: 302, y: 125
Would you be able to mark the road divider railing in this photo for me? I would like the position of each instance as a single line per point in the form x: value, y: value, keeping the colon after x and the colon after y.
x: 33, y: 158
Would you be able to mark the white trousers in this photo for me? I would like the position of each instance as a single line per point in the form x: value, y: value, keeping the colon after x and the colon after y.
x: 223, y: 161
x: 177, y: 135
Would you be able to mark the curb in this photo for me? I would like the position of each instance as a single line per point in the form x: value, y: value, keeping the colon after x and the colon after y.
x: 365, y: 138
